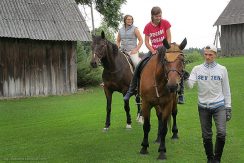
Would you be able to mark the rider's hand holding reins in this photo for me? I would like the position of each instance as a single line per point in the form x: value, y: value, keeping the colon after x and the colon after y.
x: 154, y: 52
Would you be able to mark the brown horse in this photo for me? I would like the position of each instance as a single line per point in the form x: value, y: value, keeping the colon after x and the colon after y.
x: 117, y: 73
x: 160, y: 80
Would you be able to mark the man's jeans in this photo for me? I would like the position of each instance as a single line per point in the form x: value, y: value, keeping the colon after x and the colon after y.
x: 219, y: 116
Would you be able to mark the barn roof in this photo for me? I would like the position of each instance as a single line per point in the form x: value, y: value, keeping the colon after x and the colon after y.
x: 43, y: 20
x: 232, y: 14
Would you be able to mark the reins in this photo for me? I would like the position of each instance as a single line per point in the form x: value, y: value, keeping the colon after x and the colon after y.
x: 126, y: 57
x: 166, y: 61
x: 105, y: 50
x: 155, y: 81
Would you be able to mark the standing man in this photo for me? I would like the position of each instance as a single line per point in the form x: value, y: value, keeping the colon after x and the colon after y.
x: 214, y: 101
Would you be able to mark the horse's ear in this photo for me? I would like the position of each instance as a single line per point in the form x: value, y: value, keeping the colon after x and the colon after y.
x: 103, y: 35
x: 166, y: 44
x: 183, y: 44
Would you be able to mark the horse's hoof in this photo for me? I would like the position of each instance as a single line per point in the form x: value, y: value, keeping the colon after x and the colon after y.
x: 138, y: 116
x: 143, y: 151
x: 157, y: 140
x: 162, y: 156
x: 105, y: 129
x: 175, y: 137
x: 128, y: 126
x: 140, y: 120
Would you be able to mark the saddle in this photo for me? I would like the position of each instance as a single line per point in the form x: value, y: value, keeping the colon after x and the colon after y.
x: 143, y: 63
x: 126, y: 54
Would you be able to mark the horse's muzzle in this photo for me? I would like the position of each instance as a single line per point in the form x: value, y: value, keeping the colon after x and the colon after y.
x: 172, y: 88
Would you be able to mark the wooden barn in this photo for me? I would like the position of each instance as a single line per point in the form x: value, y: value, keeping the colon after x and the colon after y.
x: 231, y: 21
x: 38, y: 47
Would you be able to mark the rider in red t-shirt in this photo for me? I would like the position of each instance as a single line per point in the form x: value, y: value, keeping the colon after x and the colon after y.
x: 156, y: 31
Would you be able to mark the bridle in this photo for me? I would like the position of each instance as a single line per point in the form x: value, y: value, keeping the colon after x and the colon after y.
x: 171, y: 54
x: 102, y: 51
x: 171, y: 57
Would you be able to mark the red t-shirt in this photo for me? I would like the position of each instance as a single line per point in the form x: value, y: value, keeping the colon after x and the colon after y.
x: 157, y: 33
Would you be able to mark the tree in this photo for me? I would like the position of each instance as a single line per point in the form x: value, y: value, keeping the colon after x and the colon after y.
x: 110, y: 9
x: 109, y: 32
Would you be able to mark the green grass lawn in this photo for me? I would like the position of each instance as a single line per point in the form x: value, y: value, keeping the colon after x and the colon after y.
x: 70, y: 128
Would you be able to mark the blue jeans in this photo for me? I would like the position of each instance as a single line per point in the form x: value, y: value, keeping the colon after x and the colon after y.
x: 219, y: 116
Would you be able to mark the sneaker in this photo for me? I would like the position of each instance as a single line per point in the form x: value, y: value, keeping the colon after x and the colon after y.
x: 181, y: 99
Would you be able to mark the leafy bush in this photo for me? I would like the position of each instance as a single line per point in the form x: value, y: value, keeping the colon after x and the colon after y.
x: 193, y: 57
x: 86, y: 75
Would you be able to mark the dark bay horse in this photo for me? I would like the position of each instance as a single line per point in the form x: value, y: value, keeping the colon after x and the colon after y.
x: 160, y: 80
x: 117, y: 73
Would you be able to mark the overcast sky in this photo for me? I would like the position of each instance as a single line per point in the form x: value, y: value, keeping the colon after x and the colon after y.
x: 192, y: 19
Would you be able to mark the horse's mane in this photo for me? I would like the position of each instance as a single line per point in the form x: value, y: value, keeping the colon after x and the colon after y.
x: 161, y: 51
x: 114, y: 53
x: 114, y: 47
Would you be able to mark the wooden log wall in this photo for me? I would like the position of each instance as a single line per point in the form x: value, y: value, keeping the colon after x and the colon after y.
x: 232, y: 40
x: 34, y: 68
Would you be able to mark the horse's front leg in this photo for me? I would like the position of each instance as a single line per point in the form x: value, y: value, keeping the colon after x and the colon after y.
x: 128, y: 116
x: 160, y: 124
x: 163, y: 133
x: 146, y: 127
x: 166, y: 110
x: 108, y: 107
x: 174, y: 128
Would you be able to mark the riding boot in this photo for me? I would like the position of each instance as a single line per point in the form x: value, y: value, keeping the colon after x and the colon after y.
x: 208, y: 145
x: 133, y: 85
x: 219, y: 146
x: 132, y: 89
x: 181, y: 99
x: 186, y: 75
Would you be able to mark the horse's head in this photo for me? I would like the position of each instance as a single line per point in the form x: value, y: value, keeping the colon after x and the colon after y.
x: 174, y: 63
x: 99, y: 49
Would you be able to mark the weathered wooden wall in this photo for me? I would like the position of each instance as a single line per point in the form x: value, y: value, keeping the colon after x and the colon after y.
x: 232, y: 40
x: 33, y: 68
